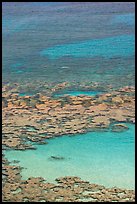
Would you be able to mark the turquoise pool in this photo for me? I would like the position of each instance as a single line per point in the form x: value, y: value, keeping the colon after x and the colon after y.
x: 99, y: 157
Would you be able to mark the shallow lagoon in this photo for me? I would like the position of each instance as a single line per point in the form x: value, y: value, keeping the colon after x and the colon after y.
x: 76, y: 93
x: 99, y: 157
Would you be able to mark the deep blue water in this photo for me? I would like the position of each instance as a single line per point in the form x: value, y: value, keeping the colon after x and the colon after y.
x: 94, y: 40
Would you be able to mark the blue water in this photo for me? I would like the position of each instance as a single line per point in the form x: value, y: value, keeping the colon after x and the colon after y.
x: 106, y: 47
x: 77, y: 93
x: 99, y: 157
x: 26, y: 94
x: 94, y: 40
x: 128, y: 19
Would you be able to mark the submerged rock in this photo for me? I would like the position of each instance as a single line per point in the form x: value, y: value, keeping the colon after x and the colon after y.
x: 119, y: 127
x: 57, y: 157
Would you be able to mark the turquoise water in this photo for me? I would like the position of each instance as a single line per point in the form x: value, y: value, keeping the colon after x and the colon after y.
x: 99, y: 157
x: 74, y: 42
x: 77, y: 93
x: 107, y: 47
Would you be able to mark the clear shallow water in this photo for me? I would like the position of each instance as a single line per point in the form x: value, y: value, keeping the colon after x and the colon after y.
x: 76, y: 93
x: 100, y: 157
x: 94, y: 40
x: 26, y: 94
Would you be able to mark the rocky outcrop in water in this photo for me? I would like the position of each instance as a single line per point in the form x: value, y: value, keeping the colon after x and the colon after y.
x: 57, y: 158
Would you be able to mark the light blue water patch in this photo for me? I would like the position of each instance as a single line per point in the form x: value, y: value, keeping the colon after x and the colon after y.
x: 128, y: 19
x: 12, y: 24
x: 19, y: 71
x: 16, y: 65
x: 30, y: 128
x: 77, y: 93
x: 26, y: 94
x: 107, y: 47
x: 19, y: 67
x: 106, y: 158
